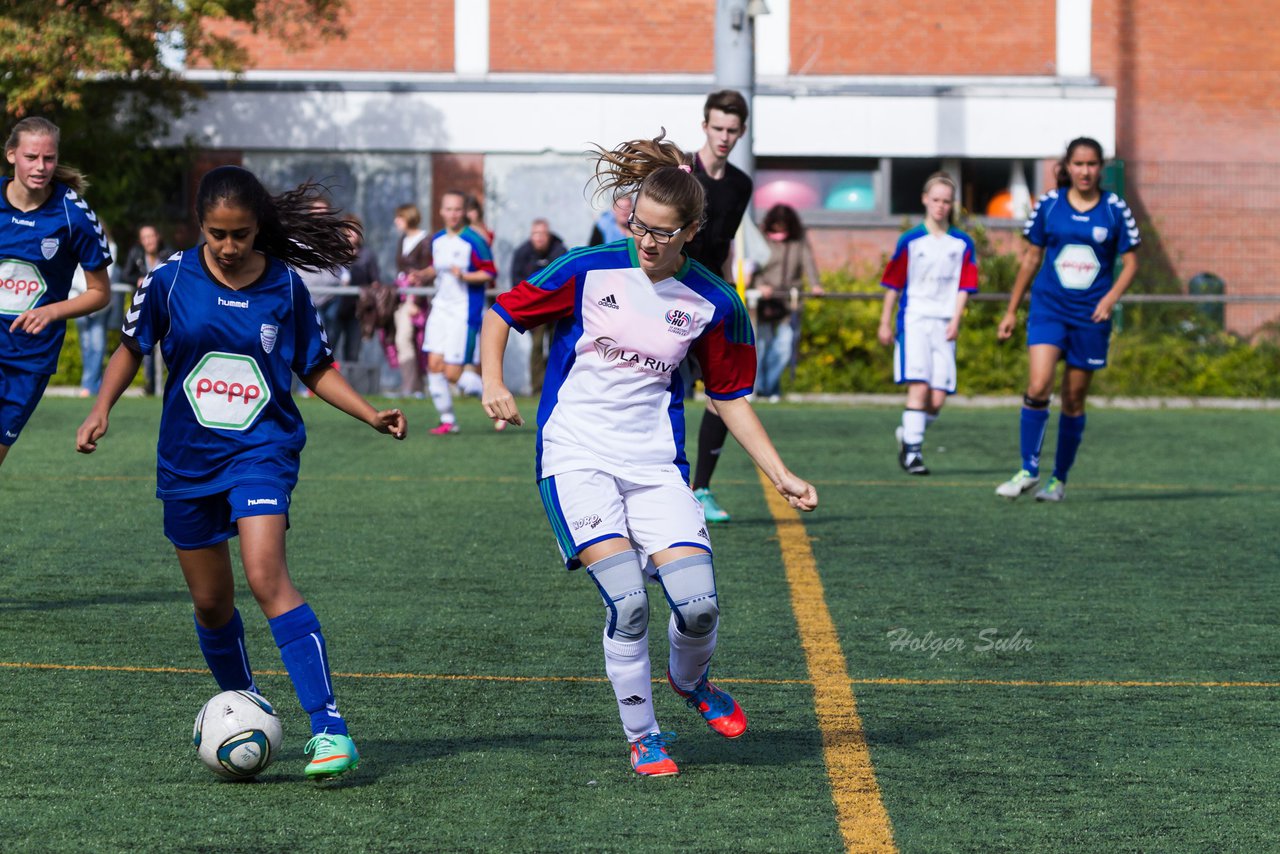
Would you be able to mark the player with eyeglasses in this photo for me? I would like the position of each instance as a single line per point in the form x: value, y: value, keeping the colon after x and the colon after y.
x: 610, y: 462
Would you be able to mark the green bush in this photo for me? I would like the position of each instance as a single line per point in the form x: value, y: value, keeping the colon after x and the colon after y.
x: 1156, y: 350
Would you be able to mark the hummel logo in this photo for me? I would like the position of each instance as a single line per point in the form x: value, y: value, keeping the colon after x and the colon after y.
x: 633, y: 700
x: 609, y: 302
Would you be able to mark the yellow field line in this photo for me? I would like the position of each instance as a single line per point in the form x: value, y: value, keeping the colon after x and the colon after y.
x: 860, y: 813
x: 883, y: 681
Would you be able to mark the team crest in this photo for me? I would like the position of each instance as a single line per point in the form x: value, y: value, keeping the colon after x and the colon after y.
x: 1099, y: 234
x: 267, y: 335
x: 49, y: 247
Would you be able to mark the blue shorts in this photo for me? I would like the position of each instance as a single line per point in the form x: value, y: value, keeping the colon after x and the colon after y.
x: 20, y: 391
x: 194, y: 523
x: 1083, y: 344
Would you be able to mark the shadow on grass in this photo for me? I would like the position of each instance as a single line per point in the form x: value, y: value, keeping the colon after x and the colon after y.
x: 155, y: 597
x: 1171, y: 495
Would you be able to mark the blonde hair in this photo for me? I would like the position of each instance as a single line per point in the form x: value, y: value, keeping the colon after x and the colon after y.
x: 940, y: 178
x: 37, y: 126
x: 658, y: 169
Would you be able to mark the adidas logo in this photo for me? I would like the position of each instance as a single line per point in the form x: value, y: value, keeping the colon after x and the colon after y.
x: 609, y: 302
x: 702, y: 532
x: 633, y: 700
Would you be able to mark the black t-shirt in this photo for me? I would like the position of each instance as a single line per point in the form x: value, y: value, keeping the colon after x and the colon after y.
x: 727, y: 201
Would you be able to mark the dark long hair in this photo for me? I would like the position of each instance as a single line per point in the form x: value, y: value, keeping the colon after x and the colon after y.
x: 298, y: 227
x: 1060, y: 172
x: 658, y: 169
x: 784, y: 218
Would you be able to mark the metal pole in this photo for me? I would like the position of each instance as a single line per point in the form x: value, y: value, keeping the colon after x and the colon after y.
x: 735, y: 65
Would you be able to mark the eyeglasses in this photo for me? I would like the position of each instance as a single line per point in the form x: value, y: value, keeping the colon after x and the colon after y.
x: 639, y: 229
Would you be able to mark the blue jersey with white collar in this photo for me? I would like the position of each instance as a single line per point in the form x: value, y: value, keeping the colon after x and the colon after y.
x: 228, y: 416
x: 1080, y: 252
x: 39, y: 252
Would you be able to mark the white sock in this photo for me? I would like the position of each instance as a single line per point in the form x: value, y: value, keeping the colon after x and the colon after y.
x: 690, y: 657
x: 470, y: 383
x: 627, y: 664
x: 913, y: 424
x: 438, y: 388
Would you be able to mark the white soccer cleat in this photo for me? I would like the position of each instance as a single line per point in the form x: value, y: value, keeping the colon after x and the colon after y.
x: 1023, y: 481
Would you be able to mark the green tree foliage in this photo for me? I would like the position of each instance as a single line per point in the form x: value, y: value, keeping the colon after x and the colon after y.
x: 98, y: 69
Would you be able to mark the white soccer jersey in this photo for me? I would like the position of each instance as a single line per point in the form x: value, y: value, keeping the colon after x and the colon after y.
x: 469, y: 252
x: 930, y: 271
x: 613, y: 397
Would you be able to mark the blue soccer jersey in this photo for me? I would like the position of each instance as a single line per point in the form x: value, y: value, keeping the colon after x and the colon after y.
x: 1080, y: 252
x: 228, y: 417
x: 39, y: 252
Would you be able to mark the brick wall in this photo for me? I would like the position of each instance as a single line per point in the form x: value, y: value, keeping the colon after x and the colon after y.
x: 1198, y: 95
x: 602, y: 36
x: 865, y: 37
x: 382, y: 35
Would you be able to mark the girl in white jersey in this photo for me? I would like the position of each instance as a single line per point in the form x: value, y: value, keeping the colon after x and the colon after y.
x: 934, y: 270
x: 611, y: 466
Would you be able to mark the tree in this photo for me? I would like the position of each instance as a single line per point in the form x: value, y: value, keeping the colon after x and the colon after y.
x: 105, y: 72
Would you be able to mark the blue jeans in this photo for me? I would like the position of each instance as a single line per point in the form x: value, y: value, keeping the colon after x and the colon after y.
x: 774, y: 339
x: 92, y: 332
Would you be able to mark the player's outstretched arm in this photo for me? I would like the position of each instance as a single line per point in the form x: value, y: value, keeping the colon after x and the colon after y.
x: 328, y: 384
x: 121, y: 369
x: 742, y: 422
x: 499, y: 402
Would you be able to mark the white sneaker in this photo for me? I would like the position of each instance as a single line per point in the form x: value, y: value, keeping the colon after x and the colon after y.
x: 1023, y: 481
x: 1054, y: 490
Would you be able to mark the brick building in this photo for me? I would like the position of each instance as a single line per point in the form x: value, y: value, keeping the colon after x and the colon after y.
x: 856, y: 102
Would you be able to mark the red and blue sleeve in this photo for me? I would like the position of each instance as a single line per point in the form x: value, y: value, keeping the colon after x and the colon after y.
x: 527, y: 306
x: 727, y: 354
x: 895, y: 272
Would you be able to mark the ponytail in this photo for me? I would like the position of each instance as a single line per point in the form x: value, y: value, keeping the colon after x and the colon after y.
x: 658, y: 169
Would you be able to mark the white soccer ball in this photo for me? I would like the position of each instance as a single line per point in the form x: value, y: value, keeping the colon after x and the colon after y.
x: 237, y: 734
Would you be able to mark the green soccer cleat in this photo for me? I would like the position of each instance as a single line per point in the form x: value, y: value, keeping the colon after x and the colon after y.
x: 711, y: 508
x: 1023, y: 481
x: 1054, y: 490
x: 334, y: 755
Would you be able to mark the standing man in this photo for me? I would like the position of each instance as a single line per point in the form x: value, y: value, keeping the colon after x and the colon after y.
x: 531, y: 257
x: 724, y: 121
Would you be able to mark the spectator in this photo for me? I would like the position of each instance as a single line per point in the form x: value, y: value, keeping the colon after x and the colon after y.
x: 412, y: 259
x: 362, y: 273
x: 777, y: 286
x: 91, y: 329
x: 611, y: 225
x: 542, y: 247
x: 145, y: 255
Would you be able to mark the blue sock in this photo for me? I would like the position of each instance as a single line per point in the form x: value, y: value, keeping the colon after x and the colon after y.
x: 226, y: 656
x: 1070, y: 434
x: 1032, y: 435
x: 302, y: 650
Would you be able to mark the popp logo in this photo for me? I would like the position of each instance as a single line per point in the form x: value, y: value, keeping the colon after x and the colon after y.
x: 227, y: 391
x: 21, y: 286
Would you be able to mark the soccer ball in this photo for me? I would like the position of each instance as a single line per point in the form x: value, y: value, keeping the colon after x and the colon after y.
x: 237, y: 734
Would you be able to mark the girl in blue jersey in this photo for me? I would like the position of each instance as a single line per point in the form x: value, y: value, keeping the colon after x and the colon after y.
x: 234, y: 323
x: 1080, y: 234
x: 610, y: 461
x: 46, y: 231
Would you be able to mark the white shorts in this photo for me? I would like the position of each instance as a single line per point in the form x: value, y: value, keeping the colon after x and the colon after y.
x: 451, y: 337
x: 922, y: 354
x: 586, y: 507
